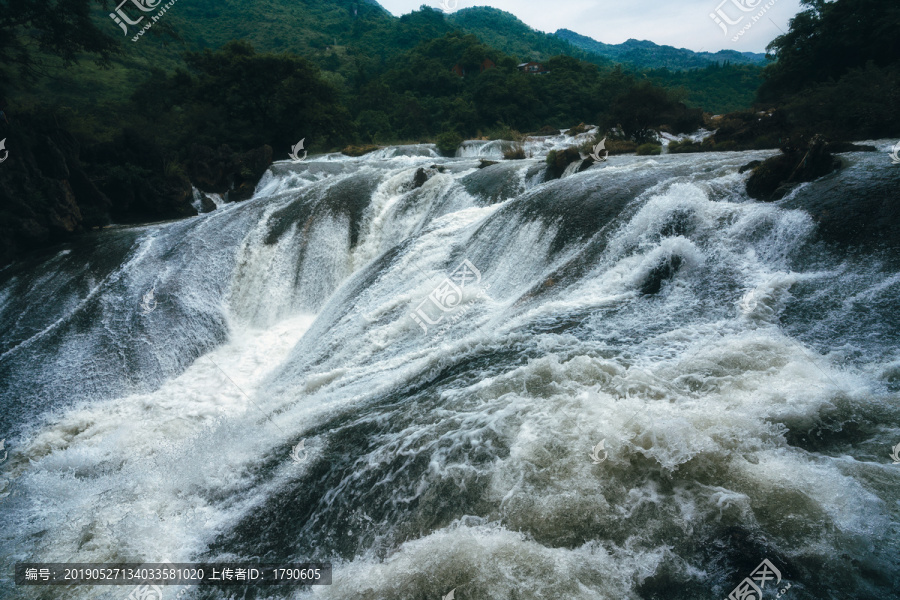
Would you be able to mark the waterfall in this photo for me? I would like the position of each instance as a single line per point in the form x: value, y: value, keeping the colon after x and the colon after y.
x: 450, y: 352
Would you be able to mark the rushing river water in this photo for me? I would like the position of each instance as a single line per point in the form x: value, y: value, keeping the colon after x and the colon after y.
x: 451, y: 356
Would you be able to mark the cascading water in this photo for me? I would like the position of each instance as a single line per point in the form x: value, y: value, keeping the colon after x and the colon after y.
x: 741, y: 372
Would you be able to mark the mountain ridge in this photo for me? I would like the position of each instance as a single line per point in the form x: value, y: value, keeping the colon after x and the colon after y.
x: 650, y: 55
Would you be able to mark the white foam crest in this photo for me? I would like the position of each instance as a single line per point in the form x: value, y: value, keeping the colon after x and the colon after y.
x: 454, y: 558
x: 767, y: 300
x: 492, y: 149
x: 155, y: 475
x: 396, y: 213
x: 296, y: 273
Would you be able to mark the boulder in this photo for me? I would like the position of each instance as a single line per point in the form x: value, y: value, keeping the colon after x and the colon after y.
x: 750, y: 165
x: 776, y: 177
x: 223, y: 171
x: 419, y: 178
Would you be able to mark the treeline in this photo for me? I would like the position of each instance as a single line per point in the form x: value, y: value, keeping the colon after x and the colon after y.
x: 452, y: 84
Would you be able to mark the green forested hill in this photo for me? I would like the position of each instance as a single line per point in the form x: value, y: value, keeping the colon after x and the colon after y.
x: 647, y: 55
x: 352, y: 41
x: 505, y: 32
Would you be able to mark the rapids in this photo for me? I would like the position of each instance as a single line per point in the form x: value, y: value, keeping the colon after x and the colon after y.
x: 742, y: 371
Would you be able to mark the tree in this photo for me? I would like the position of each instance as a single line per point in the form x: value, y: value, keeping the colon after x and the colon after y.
x: 827, y: 40
x: 62, y: 28
x: 252, y: 99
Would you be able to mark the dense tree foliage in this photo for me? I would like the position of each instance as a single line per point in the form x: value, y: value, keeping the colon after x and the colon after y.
x: 838, y: 69
x: 422, y: 95
x: 717, y: 88
x: 257, y: 99
x: 61, y: 28
x: 828, y: 39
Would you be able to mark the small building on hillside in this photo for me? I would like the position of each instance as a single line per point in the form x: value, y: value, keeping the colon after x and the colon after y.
x: 458, y: 70
x: 533, y: 68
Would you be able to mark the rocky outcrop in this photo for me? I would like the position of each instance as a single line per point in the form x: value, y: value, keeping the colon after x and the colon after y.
x: 45, y: 193
x: 52, y: 188
x: 223, y: 171
x: 776, y: 177
x: 140, y: 180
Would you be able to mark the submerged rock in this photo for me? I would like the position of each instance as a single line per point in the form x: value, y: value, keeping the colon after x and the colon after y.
x: 860, y: 208
x: 664, y: 271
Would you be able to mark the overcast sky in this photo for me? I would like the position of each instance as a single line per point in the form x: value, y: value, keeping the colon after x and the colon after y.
x: 679, y: 23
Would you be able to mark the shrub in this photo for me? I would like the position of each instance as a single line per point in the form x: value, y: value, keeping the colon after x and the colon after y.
x: 503, y: 131
x: 545, y: 131
x: 578, y: 129
x: 685, y: 147
x: 558, y: 160
x: 359, y: 150
x: 514, y: 152
x: 649, y: 149
x: 172, y: 168
x: 448, y: 142
x: 621, y: 146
